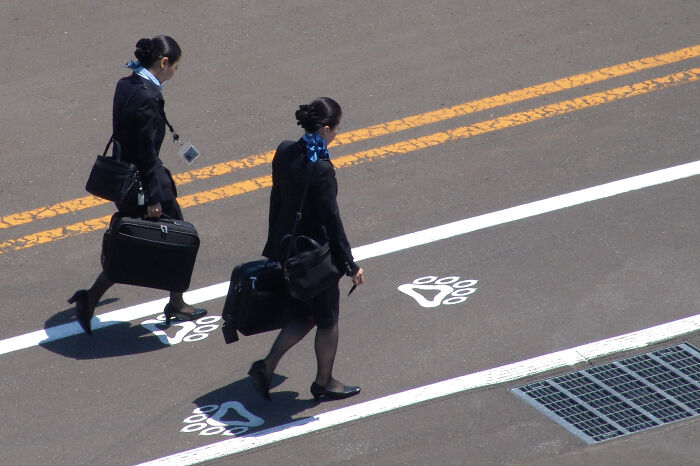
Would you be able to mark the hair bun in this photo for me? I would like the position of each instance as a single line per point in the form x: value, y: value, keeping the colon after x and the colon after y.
x: 145, y: 44
x: 304, y: 115
x: 144, y: 50
x: 323, y: 111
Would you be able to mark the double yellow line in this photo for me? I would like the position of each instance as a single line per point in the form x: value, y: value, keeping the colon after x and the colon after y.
x: 410, y: 145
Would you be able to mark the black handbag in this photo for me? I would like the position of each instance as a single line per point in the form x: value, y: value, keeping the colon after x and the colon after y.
x: 114, y: 180
x: 257, y: 300
x: 308, y: 268
x: 152, y: 252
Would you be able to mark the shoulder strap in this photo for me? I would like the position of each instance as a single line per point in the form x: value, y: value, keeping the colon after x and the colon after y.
x: 118, y: 151
x: 301, y: 206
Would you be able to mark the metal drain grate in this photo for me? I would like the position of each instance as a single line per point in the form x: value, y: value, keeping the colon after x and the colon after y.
x: 621, y: 397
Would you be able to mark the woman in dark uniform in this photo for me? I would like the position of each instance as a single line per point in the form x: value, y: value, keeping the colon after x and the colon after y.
x: 321, y: 221
x: 138, y: 123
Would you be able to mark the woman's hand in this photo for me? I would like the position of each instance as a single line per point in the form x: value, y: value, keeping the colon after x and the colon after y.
x: 359, y: 277
x: 153, y: 211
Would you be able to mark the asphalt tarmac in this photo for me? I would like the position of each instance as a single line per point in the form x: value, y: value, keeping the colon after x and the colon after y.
x: 451, y: 110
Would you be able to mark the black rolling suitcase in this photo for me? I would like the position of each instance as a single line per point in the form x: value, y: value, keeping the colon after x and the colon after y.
x: 155, y: 253
x: 257, y: 300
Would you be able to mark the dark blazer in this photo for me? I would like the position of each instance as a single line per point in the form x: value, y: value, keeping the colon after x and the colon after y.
x: 139, y: 126
x: 320, y: 217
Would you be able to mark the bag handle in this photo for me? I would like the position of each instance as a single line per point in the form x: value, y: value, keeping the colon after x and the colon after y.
x: 117, y: 149
x: 163, y: 216
x: 294, y: 243
x: 294, y: 246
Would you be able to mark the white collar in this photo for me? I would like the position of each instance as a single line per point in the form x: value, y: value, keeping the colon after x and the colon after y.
x: 146, y: 74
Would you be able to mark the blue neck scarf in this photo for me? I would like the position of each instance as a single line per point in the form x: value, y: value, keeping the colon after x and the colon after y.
x: 315, y: 147
x: 143, y: 72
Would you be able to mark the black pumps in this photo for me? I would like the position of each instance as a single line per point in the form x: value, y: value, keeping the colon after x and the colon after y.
x: 84, y: 312
x: 82, y: 309
x: 318, y: 391
x: 261, y: 383
x: 172, y: 313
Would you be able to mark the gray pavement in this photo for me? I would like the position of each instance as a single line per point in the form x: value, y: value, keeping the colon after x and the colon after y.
x: 545, y: 283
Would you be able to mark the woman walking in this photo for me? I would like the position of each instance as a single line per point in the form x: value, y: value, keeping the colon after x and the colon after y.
x: 321, y: 221
x: 138, y: 123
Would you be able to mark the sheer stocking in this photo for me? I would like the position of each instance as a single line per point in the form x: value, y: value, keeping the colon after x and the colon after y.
x: 326, y: 345
x: 291, y: 334
x: 101, y: 285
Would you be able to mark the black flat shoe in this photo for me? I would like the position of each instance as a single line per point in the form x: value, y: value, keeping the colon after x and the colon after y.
x: 318, y: 391
x: 172, y: 313
x: 82, y: 309
x: 260, y: 383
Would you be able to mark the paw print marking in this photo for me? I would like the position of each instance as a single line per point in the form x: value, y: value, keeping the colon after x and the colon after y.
x: 452, y: 286
x: 203, y: 421
x: 188, y: 331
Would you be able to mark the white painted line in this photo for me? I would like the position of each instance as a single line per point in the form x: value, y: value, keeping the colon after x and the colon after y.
x: 498, y: 375
x: 526, y: 210
x: 380, y: 248
x: 127, y: 314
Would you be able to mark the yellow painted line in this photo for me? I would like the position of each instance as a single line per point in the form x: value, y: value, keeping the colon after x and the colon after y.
x: 519, y: 95
x: 50, y: 211
x: 411, y: 145
x: 55, y: 234
x: 383, y: 129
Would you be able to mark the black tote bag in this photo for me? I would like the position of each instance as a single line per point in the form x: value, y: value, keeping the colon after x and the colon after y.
x: 257, y: 300
x: 112, y: 179
x: 309, y: 268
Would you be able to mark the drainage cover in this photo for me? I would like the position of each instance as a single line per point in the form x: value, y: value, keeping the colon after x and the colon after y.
x: 621, y: 397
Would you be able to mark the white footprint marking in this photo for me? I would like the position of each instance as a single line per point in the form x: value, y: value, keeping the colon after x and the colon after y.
x: 205, y: 423
x: 189, y: 331
x: 452, y: 286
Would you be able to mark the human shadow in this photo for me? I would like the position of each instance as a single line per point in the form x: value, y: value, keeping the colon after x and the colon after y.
x: 238, y: 410
x: 111, y: 340
x: 68, y: 315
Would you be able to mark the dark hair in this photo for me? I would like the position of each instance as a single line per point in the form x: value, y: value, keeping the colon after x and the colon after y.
x: 323, y: 111
x: 148, y: 51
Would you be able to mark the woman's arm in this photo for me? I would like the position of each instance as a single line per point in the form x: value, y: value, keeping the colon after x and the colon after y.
x: 325, y: 190
x: 275, y: 197
x: 148, y: 130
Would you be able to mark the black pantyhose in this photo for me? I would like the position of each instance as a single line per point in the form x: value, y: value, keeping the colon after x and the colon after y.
x: 102, y: 284
x: 99, y: 288
x: 292, y: 333
x: 325, y: 344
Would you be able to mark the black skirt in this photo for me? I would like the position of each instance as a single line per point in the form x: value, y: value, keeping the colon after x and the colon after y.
x: 324, y: 308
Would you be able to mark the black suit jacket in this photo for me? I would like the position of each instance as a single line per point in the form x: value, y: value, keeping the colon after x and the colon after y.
x: 139, y: 126
x: 320, y: 218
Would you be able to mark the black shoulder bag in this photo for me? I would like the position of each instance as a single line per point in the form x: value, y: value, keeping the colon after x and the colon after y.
x: 308, y: 266
x: 113, y: 179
